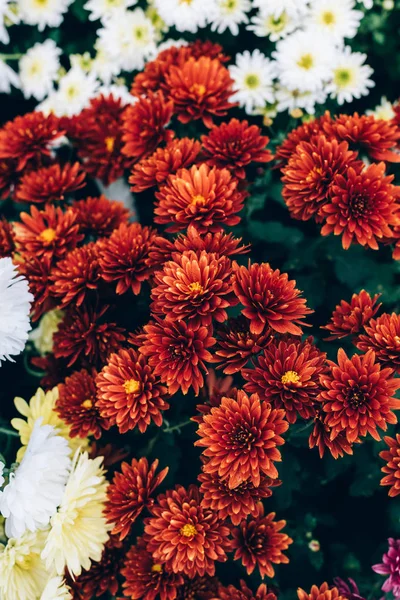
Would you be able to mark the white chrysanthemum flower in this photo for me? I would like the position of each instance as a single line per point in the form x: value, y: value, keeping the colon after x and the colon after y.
x: 291, y: 100
x: 8, y: 77
x: 351, y: 77
x: 2, y: 465
x: 384, y: 110
x: 43, y: 12
x: 118, y: 91
x: 102, y: 9
x: 304, y: 61
x: 293, y: 8
x: 42, y: 336
x: 229, y: 14
x: 79, y: 530
x: 22, y: 570
x: 15, y: 304
x: 185, y: 15
x: 56, y: 589
x: 336, y: 19
x: 75, y: 91
x: 7, y: 14
x: 51, y: 104
x: 253, y: 76
x: 104, y: 66
x: 38, y: 69
x: 267, y: 24
x: 36, y: 487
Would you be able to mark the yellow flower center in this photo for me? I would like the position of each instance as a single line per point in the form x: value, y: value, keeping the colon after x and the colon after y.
x: 276, y: 24
x: 343, y: 77
x: 48, y: 235
x: 156, y: 568
x: 306, y: 62
x: 229, y: 5
x: 132, y: 386
x: 188, y: 530
x: 196, y: 287
x: 198, y: 200
x: 290, y: 377
x: 87, y: 404
x: 252, y: 81
x: 110, y: 141
x: 185, y: 1
x: 198, y: 89
x: 328, y: 18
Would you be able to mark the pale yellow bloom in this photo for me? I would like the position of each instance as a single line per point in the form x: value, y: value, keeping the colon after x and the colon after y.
x: 42, y: 336
x: 384, y: 110
x: 56, y: 589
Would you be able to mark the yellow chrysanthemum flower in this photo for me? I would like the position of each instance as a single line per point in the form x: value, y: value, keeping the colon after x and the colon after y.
x: 42, y: 336
x: 79, y: 529
x: 56, y: 589
x: 22, y: 570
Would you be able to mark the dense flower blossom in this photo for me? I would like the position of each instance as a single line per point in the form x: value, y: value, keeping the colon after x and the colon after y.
x: 156, y: 168
x: 37, y: 272
x: 184, y: 536
x: 362, y: 207
x: 7, y: 245
x: 194, y: 286
x: 320, y: 438
x: 145, y: 125
x: 309, y: 174
x: 323, y: 592
x: 304, y: 132
x: 86, y: 335
x: 287, y: 375
x: 236, y: 344
x: 391, y: 567
x: 357, y: 396
x: 130, y: 492
x: 147, y: 579
x: 348, y: 589
x: 124, y: 257
x: 349, y: 317
x: 50, y: 184
x: 200, y: 89
x: 207, y: 198
x: 235, y: 145
x: 240, y: 437
x: 29, y: 138
x: 76, y: 405
x: 392, y: 467
x: 129, y: 393
x: 76, y: 275
x: 245, y: 593
x: 269, y: 298
x: 258, y: 543
x: 382, y: 335
x: 99, y: 216
x: 177, y: 353
x: 214, y: 390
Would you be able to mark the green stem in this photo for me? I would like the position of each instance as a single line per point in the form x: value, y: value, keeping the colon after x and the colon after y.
x: 175, y: 427
x: 15, y: 56
x: 10, y: 432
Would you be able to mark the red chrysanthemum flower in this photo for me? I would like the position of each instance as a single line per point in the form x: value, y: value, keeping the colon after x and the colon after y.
x: 198, y: 588
x: 195, y: 287
x: 76, y: 405
x: 86, y: 335
x: 382, y: 335
x: 236, y: 504
x: 303, y: 133
x: 235, y: 145
x: 48, y: 232
x: 130, y: 492
x: 287, y: 375
x: 200, y: 89
x: 240, y: 437
x: 309, y: 175
x: 155, y: 169
x: 392, y: 467
x: 258, y: 543
x: 236, y: 344
x: 207, y: 198
x: 37, y: 271
x: 184, y: 536
x: 214, y: 390
x: 349, y: 317
x: 7, y: 245
x: 129, y: 394
x: 177, y: 353
x: 112, y: 455
x: 324, y: 592
x: 270, y: 299
x: 8, y: 177
x: 245, y: 593
x: 145, y: 124
x: 99, y: 216
x: 147, y: 579
x: 76, y: 275
x: 378, y: 137
x: 358, y: 396
x: 29, y: 138
x: 50, y: 184
x: 124, y: 257
x: 363, y: 207
x: 52, y: 371
x: 320, y: 438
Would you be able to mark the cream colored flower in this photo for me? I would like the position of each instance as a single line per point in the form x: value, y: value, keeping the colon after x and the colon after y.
x: 56, y: 589
x: 42, y: 336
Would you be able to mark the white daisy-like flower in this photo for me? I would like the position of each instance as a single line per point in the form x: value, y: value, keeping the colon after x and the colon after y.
x: 293, y: 8
x: 8, y: 77
x: 75, y: 90
x: 293, y: 99
x: 56, y: 589
x: 43, y: 12
x: 51, y: 104
x: 185, y: 15
x: 384, y: 110
x: 253, y: 76
x: 36, y: 487
x: 15, y: 304
x: 337, y: 19
x: 102, y: 9
x: 351, y: 77
x: 304, y: 61
x: 6, y: 14
x: 229, y: 14
x: 104, y: 66
x: 118, y: 91
x: 267, y: 24
x: 38, y: 69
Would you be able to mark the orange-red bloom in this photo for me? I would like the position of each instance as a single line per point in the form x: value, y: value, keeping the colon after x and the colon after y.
x: 324, y: 592
x: 155, y: 169
x: 287, y: 375
x: 363, y: 207
x: 8, y: 177
x: 382, y: 335
x: 235, y: 145
x: 7, y: 244
x: 303, y: 132
x: 37, y: 271
x: 99, y: 216
x: 258, y: 543
x: 200, y: 89
x: 130, y: 492
x: 183, y: 535
x: 207, y: 198
x: 129, y: 394
x: 269, y: 298
x: 214, y: 390
x: 349, y: 317
x: 240, y: 437
x: 320, y: 438
x: 50, y: 184
x: 245, y: 593
x: 392, y: 468
x: 358, y: 397
x: 76, y: 275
